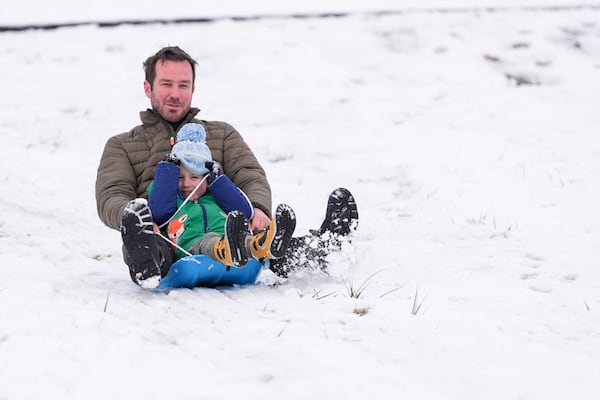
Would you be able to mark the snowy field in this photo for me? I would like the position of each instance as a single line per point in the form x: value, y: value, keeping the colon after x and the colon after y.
x: 470, y: 140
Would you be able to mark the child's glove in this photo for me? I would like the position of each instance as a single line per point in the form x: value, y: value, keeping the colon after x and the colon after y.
x: 172, y: 158
x: 214, y: 171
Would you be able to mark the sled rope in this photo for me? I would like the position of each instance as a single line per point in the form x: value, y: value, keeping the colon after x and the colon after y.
x: 184, y: 202
x: 187, y: 253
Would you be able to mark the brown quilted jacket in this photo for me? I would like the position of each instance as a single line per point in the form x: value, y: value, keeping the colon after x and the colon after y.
x: 129, y: 159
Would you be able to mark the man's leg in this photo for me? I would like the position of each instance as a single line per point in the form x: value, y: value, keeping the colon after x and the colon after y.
x: 147, y: 258
x: 311, y: 251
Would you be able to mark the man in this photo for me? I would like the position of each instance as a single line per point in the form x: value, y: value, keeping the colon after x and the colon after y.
x: 129, y: 160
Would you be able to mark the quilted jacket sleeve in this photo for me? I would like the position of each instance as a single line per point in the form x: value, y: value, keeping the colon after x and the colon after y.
x: 115, y: 183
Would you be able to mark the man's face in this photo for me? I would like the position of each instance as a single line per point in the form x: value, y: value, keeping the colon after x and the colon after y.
x: 172, y: 89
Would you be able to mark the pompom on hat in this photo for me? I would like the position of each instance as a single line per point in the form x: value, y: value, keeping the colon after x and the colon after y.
x: 191, y: 149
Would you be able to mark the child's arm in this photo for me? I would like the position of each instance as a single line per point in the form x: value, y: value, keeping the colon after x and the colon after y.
x: 163, y: 192
x: 228, y: 196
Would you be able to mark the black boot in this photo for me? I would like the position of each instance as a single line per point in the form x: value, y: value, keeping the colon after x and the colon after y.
x: 141, y: 249
x: 274, y: 241
x: 230, y: 250
x: 341, y: 216
x: 311, y: 251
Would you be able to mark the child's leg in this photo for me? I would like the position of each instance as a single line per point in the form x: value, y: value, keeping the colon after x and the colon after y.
x: 205, y: 244
x: 231, y: 249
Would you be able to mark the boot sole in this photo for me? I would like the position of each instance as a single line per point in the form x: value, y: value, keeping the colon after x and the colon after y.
x: 342, y: 213
x: 236, y: 229
x: 142, y: 250
x: 285, y: 224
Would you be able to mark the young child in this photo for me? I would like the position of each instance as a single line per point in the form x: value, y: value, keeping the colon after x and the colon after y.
x: 203, y: 212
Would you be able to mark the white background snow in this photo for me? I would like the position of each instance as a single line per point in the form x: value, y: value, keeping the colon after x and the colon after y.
x: 478, y: 245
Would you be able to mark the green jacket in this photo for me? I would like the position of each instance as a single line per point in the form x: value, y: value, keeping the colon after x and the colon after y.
x: 194, y: 220
x: 129, y: 159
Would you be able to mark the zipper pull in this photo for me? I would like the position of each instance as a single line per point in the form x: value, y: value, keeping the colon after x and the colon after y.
x: 172, y: 141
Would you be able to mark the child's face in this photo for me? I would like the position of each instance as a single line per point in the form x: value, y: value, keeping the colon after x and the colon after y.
x: 187, y: 183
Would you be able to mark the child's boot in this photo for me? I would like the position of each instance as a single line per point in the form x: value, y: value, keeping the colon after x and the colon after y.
x: 273, y: 242
x: 231, y: 249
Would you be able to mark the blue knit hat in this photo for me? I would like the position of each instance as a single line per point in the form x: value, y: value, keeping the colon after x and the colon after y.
x: 191, y: 148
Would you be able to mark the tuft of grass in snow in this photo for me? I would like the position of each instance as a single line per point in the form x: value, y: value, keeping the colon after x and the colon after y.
x: 355, y: 293
x: 317, y: 294
x: 287, y: 322
x: 416, y: 303
x: 106, y: 302
x: 503, y: 233
x: 520, y: 79
x: 391, y: 291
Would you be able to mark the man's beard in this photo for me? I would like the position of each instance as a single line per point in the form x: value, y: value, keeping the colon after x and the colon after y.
x: 162, y: 110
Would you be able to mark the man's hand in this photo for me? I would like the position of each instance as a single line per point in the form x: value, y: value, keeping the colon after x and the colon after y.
x: 259, y: 221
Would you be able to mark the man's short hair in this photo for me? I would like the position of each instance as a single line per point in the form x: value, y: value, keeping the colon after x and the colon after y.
x: 171, y: 53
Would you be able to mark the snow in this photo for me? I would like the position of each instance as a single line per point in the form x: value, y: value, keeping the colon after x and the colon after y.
x: 33, y: 12
x: 477, y: 250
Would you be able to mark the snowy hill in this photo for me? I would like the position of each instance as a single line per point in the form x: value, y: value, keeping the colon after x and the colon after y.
x: 468, y: 138
x: 49, y: 13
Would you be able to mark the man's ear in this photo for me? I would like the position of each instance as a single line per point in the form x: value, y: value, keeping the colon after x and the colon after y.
x: 147, y: 89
